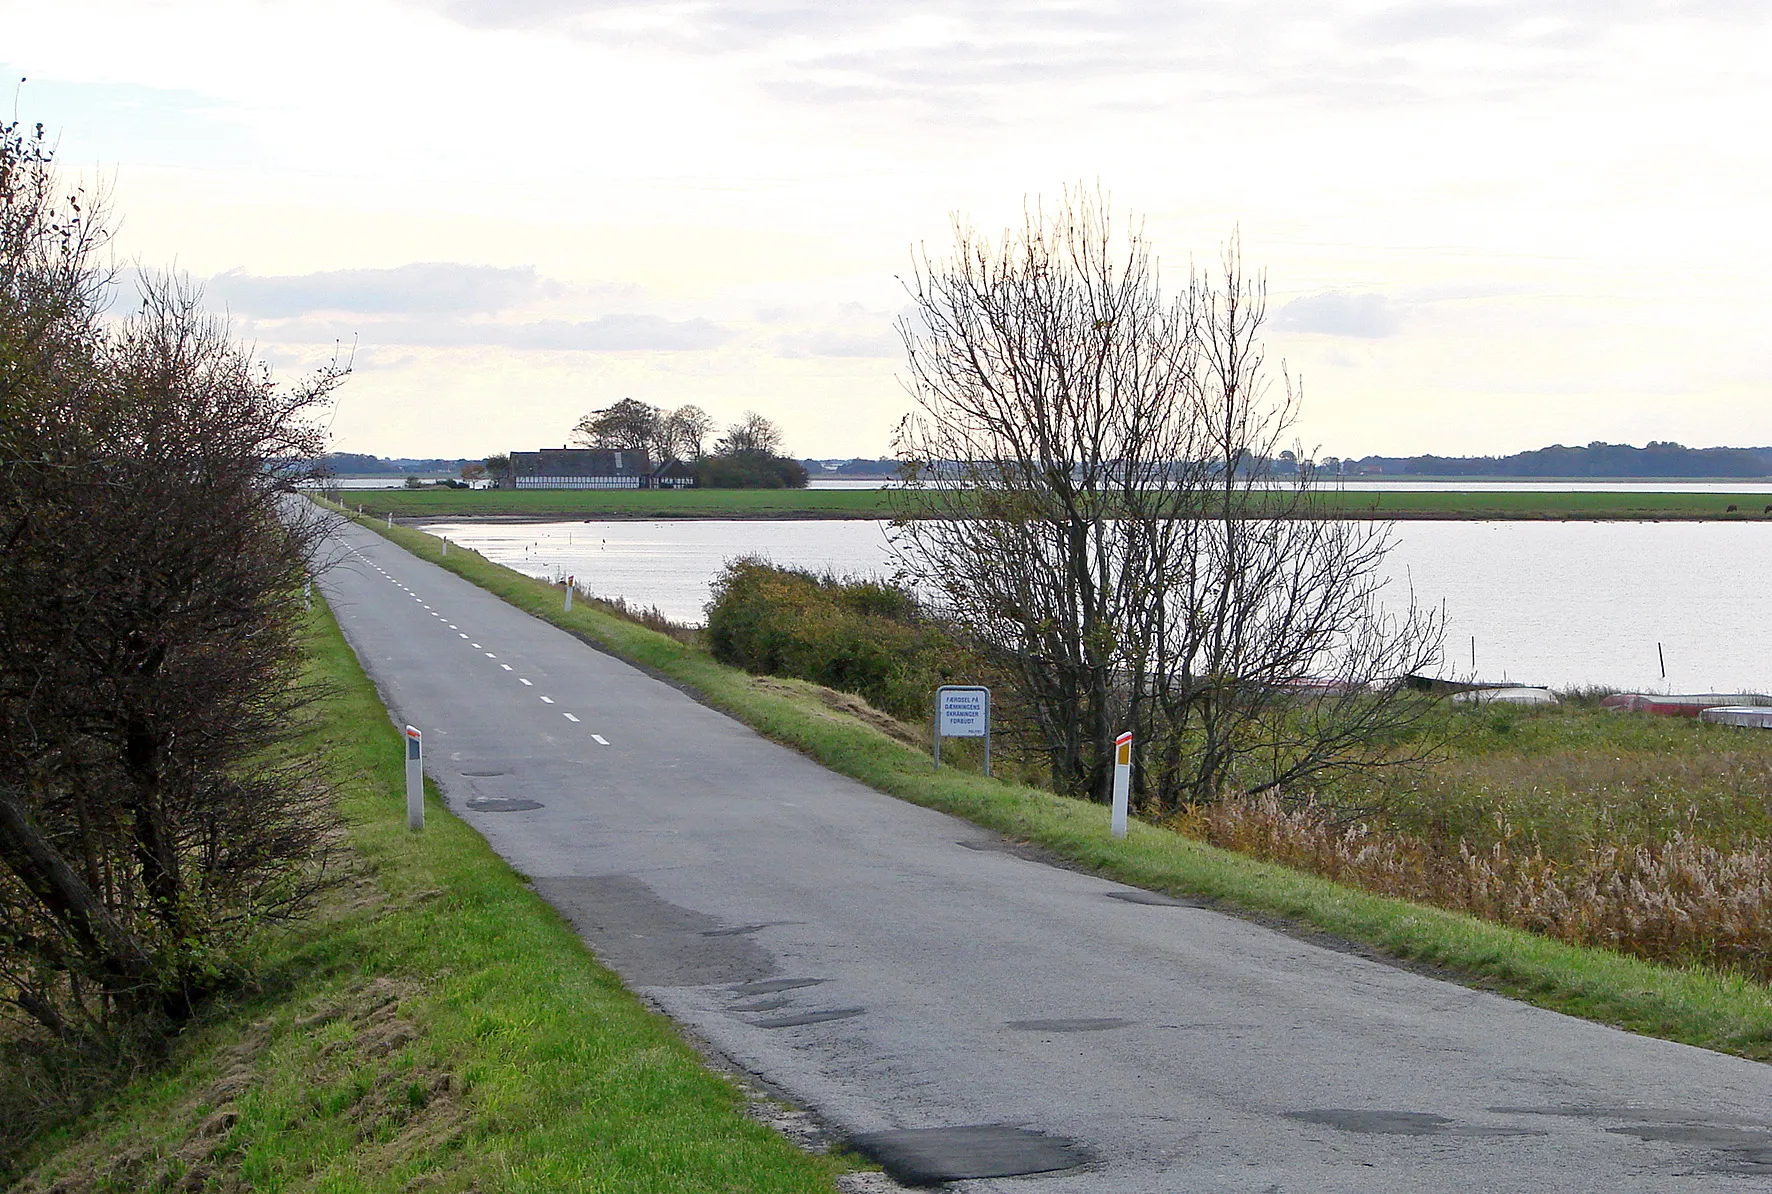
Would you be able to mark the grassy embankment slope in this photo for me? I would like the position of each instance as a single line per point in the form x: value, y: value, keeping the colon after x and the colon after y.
x: 1623, y: 505
x: 437, y: 1027
x: 1702, y: 1008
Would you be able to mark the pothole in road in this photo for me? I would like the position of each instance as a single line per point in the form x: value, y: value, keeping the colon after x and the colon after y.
x: 769, y: 986
x: 1403, y: 1123
x: 930, y: 1156
x: 1744, y: 1146
x: 1103, y: 1024
x: 502, y: 804
x: 799, y: 1018
x: 746, y: 930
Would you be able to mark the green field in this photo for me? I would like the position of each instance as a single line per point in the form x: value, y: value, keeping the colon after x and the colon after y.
x: 1697, y: 1005
x: 1619, y: 505
x: 435, y: 1027
x: 620, y: 503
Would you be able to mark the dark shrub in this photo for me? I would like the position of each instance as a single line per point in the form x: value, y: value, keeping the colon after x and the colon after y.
x: 750, y: 470
x: 868, y: 637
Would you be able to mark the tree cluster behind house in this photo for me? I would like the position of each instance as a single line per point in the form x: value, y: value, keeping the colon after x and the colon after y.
x: 747, y: 455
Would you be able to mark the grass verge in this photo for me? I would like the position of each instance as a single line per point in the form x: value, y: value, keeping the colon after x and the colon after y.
x: 1448, y: 503
x: 1696, y: 1006
x: 437, y: 1027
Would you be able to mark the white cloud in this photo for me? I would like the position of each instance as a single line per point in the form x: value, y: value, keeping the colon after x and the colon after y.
x: 852, y: 331
x: 427, y: 287
x: 608, y: 333
x: 1338, y: 313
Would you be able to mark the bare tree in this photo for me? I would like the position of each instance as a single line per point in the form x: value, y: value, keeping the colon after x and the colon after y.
x: 685, y: 432
x: 1087, y: 492
x: 751, y: 434
x: 628, y: 426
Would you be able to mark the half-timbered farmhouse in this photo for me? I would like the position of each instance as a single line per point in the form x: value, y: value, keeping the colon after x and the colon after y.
x: 594, y: 468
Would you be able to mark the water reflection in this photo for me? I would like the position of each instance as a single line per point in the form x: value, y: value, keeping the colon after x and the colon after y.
x: 1557, y: 603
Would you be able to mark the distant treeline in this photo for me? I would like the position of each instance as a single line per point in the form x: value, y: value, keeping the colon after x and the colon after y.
x: 859, y: 468
x: 356, y: 464
x: 1655, y: 459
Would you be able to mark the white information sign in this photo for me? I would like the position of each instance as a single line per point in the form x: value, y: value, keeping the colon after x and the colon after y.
x: 963, y: 711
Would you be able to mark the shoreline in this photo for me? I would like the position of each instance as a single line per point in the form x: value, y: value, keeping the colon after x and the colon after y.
x: 423, y: 520
x: 749, y: 505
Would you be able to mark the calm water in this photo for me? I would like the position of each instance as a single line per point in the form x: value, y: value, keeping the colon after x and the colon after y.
x: 1557, y: 603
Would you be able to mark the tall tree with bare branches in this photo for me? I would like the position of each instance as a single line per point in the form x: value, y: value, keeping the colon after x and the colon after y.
x: 1087, y: 492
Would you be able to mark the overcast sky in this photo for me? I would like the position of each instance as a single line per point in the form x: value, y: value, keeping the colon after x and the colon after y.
x: 1485, y: 227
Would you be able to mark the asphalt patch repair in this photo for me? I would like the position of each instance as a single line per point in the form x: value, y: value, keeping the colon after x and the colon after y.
x: 1154, y: 899
x: 931, y: 1156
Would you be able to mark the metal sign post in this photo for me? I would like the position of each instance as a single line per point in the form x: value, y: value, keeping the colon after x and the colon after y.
x: 963, y: 711
x: 415, y: 779
x: 1122, y: 781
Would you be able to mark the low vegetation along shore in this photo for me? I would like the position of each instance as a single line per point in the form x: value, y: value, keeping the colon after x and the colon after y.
x: 545, y: 504
x: 435, y: 1026
x: 1520, y: 786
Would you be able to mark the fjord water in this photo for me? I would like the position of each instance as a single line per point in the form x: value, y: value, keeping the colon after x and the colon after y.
x: 1556, y: 603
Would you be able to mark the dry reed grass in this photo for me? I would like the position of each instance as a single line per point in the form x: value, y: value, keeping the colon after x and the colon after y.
x: 1677, y: 900
x: 649, y: 616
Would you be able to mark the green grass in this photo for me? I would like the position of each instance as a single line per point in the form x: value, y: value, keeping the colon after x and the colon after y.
x: 438, y: 1028
x: 1622, y: 505
x: 1695, y: 1006
x: 621, y: 503
x: 1449, y: 503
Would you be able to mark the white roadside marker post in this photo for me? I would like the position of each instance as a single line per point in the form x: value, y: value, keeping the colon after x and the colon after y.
x: 415, y: 779
x: 445, y: 547
x: 569, y: 581
x: 390, y: 518
x: 1122, y: 781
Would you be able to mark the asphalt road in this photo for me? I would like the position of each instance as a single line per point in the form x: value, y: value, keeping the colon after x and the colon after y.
x: 903, y: 975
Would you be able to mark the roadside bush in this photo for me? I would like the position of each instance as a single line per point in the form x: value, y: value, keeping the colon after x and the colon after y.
x: 152, y: 811
x: 866, y: 637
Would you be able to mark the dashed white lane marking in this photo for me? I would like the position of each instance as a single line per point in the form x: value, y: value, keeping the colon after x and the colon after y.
x: 549, y: 700
x: 524, y: 682
x: 600, y: 740
x: 505, y: 666
x: 490, y: 655
x: 476, y: 646
x: 569, y: 717
x: 461, y: 636
x: 451, y: 625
